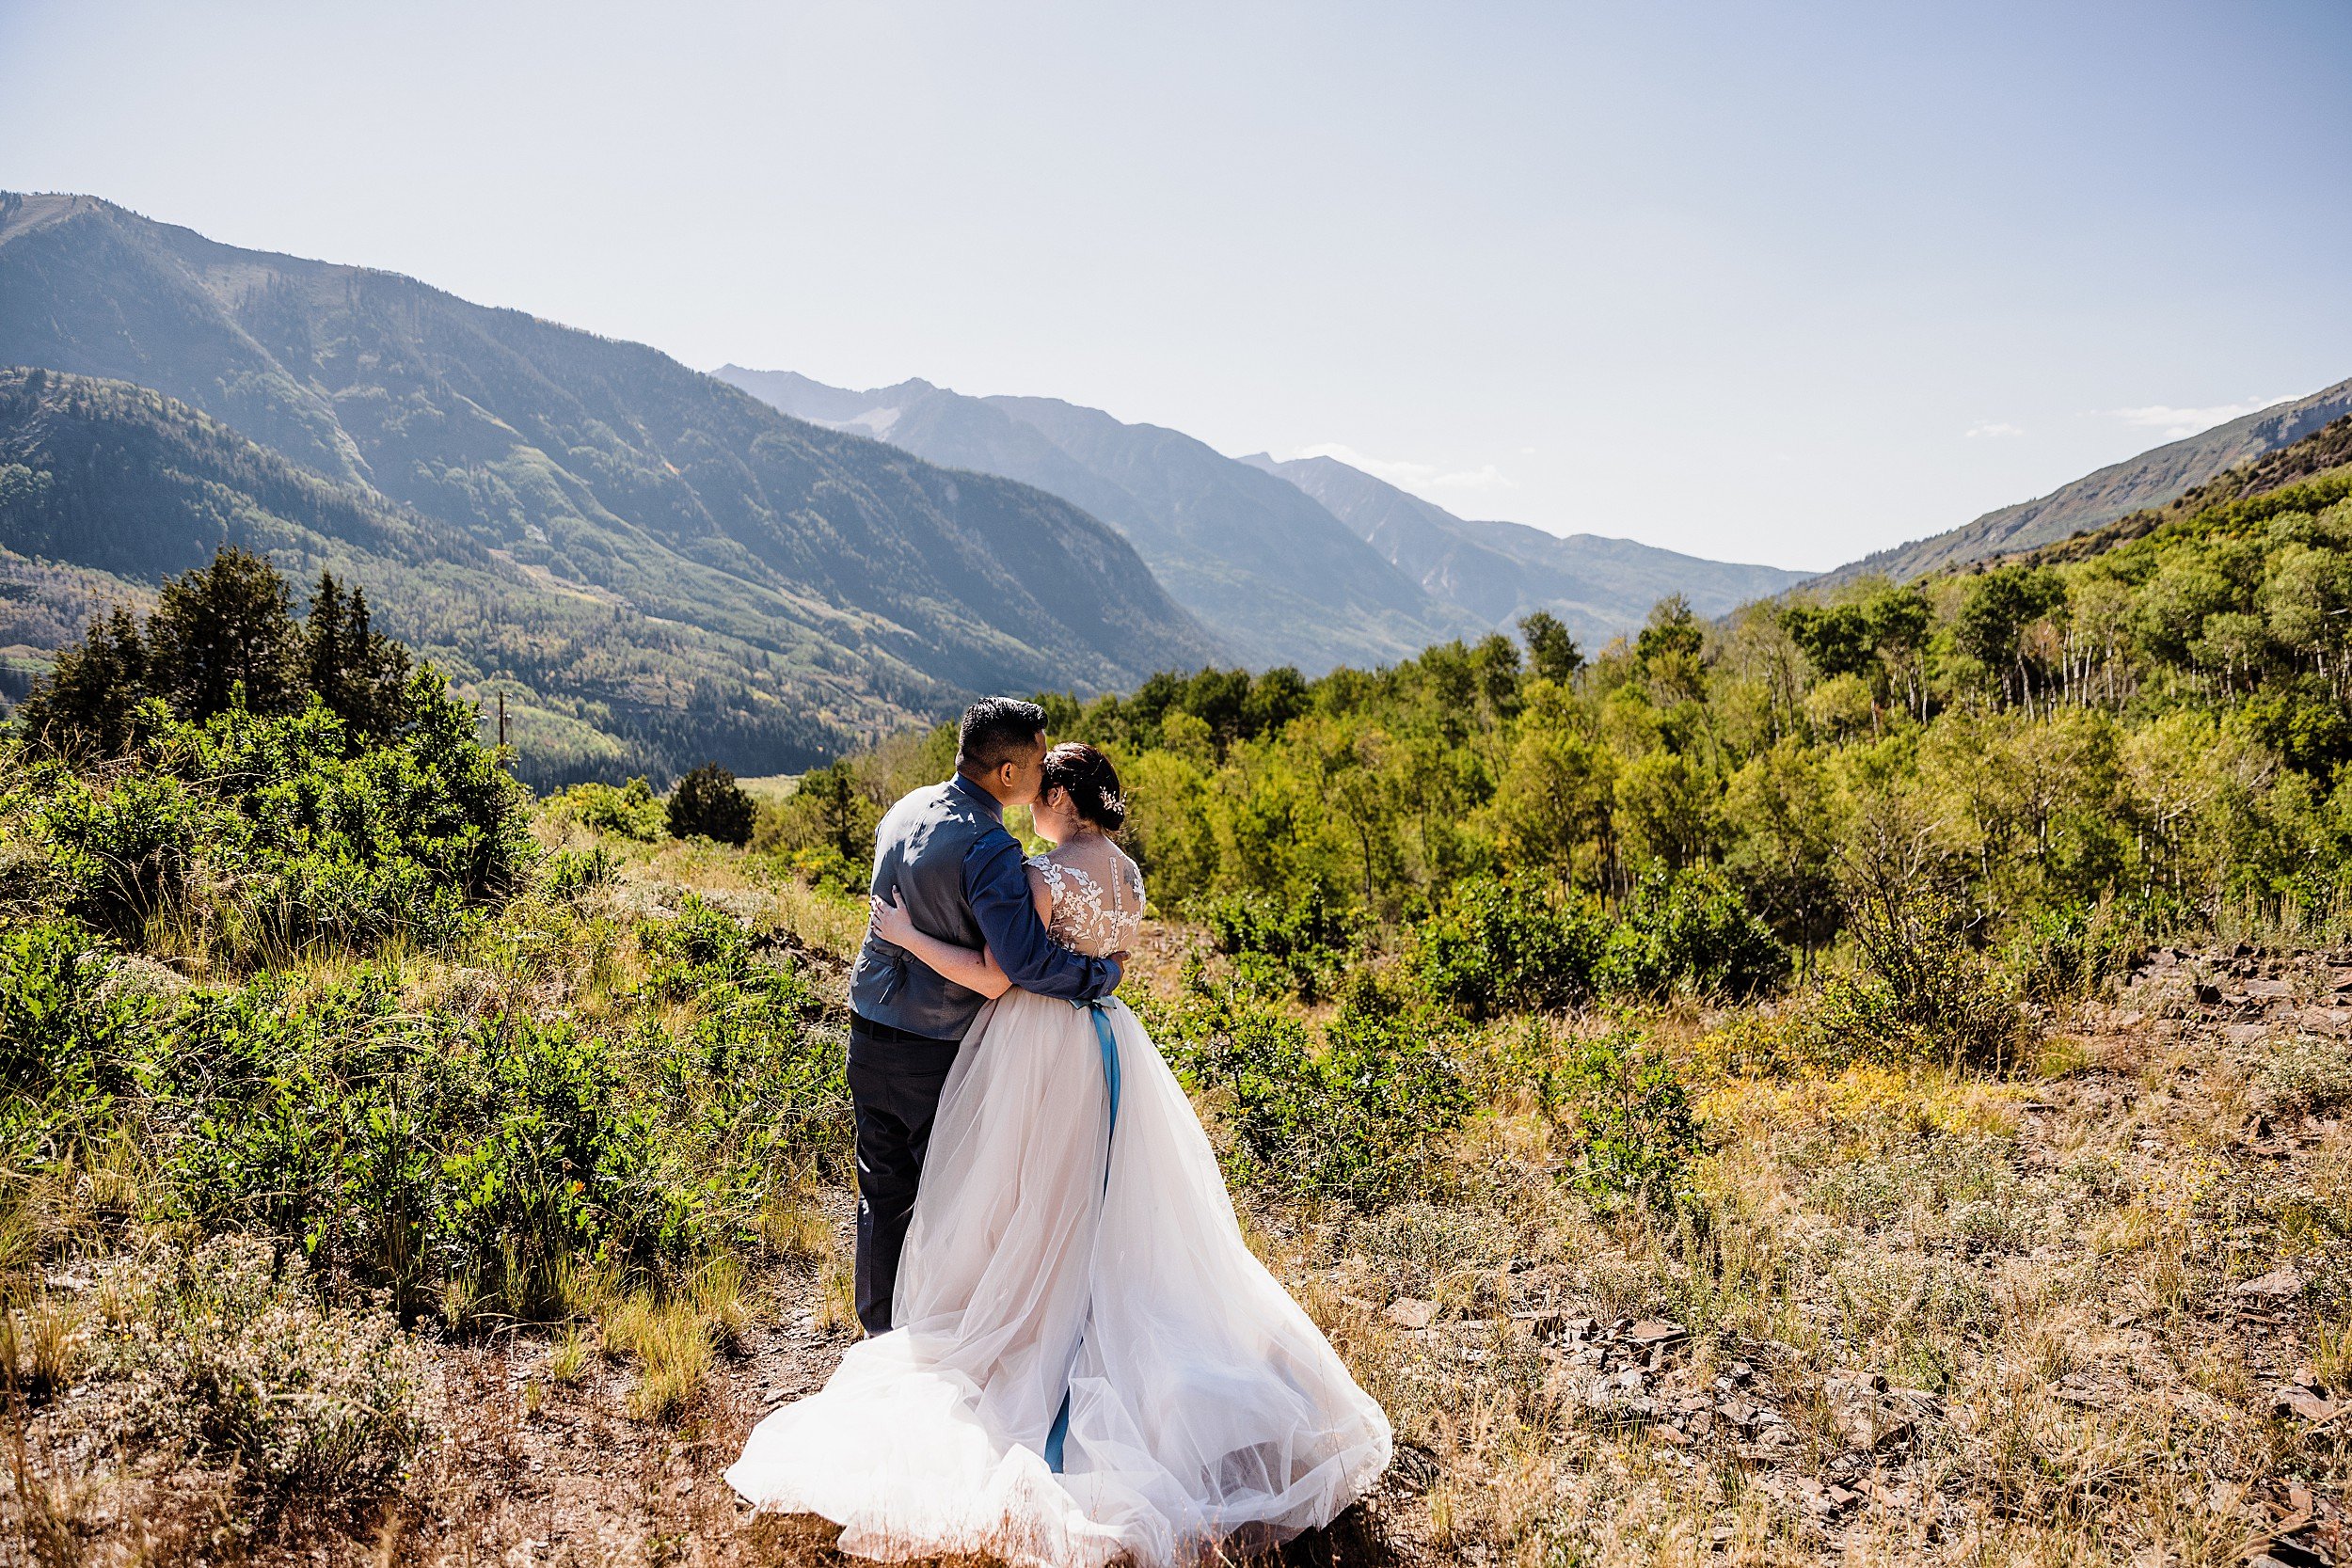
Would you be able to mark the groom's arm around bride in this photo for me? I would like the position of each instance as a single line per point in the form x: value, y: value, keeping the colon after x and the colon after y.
x: 945, y: 851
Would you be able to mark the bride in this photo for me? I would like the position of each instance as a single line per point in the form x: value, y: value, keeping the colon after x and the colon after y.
x: 1086, y: 1363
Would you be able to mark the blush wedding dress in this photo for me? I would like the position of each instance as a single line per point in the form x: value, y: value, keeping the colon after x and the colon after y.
x: 1087, y: 1365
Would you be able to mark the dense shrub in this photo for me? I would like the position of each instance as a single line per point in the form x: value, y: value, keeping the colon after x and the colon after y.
x: 543, y: 1160
x: 228, y: 1351
x: 260, y: 833
x: 632, y: 810
x: 708, y: 803
x: 826, y: 869
x: 1919, y: 989
x: 68, y: 1040
x: 1690, y: 932
x: 2063, y: 953
x: 1365, y: 1119
x: 751, y: 1076
x: 1277, y: 945
x: 1494, y: 946
x: 571, y: 873
x: 1633, y: 1127
x: 473, y: 1161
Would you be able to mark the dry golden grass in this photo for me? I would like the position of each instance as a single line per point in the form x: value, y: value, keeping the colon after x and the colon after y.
x: 794, y: 1225
x: 836, y: 1292
x: 669, y: 1342
x: 2039, y: 1269
x: 568, y: 1358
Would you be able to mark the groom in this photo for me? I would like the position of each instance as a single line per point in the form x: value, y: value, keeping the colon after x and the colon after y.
x: 945, y: 849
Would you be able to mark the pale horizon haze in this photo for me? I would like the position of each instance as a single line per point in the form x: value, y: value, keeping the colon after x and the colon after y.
x: 1772, y: 284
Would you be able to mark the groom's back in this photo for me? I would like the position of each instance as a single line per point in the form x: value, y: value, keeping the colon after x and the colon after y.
x: 919, y: 849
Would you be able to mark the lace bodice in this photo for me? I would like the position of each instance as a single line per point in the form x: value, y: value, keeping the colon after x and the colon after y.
x: 1097, y: 893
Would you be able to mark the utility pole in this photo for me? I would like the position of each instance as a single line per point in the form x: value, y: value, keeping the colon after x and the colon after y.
x: 501, y: 719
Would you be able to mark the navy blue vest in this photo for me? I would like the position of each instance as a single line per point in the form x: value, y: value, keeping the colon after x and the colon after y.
x: 919, y: 849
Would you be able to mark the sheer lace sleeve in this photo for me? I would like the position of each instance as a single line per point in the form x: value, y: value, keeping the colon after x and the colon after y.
x: 1097, y: 893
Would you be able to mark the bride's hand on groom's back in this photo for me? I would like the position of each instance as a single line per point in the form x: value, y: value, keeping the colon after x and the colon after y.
x: 891, y: 921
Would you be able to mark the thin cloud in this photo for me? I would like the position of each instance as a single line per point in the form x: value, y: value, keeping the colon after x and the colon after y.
x: 1413, y: 476
x: 1993, y: 430
x: 2177, y: 422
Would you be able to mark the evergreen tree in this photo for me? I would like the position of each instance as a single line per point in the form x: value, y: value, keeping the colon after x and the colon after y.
x: 89, y: 701
x: 222, y: 627
x: 708, y: 803
x: 841, y: 805
x: 355, y: 670
x: 1551, y: 652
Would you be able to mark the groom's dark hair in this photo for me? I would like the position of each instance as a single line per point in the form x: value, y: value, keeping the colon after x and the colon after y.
x: 996, y: 730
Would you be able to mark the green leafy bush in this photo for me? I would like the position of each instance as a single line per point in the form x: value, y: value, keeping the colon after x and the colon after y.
x: 1364, y: 1119
x: 68, y: 1041
x: 544, y: 1159
x: 1295, y: 945
x: 826, y: 869
x: 1918, y: 990
x: 756, y: 1084
x: 573, y: 872
x: 1690, y: 931
x: 708, y: 803
x: 411, y: 1150
x: 229, y: 1350
x: 1634, y: 1130
x: 2062, y: 953
x: 1494, y: 946
x: 261, y: 834
x: 631, y: 811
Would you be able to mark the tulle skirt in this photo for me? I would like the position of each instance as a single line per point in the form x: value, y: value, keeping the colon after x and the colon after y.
x: 1202, y: 1405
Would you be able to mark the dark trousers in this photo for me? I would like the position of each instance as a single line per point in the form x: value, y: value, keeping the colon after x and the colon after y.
x: 895, y: 1080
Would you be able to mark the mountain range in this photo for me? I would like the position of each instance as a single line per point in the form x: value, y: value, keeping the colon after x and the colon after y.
x: 1309, y: 563
x: 656, y: 566
x: 1598, y: 586
x: 1274, y: 576
x: 772, y: 591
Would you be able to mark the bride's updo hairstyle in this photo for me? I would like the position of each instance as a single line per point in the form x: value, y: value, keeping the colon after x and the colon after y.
x: 1092, y: 784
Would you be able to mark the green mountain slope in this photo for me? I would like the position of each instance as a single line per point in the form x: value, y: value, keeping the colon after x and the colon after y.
x: 1500, y: 571
x: 859, y: 586
x: 2152, y: 479
x: 135, y: 487
x: 2314, y: 473
x: 1273, y: 574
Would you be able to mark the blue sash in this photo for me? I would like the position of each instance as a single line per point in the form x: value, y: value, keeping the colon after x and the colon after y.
x: 1061, y: 1434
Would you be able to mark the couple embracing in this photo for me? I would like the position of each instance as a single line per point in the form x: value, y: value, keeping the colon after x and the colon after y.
x: 1071, y: 1357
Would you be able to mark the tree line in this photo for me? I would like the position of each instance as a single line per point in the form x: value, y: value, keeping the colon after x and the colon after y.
x: 2157, y: 733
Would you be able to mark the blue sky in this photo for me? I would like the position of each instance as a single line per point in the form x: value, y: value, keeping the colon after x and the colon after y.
x: 1775, y: 283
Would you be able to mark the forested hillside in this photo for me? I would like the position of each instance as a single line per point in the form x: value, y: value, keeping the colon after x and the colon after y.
x: 2155, y: 478
x: 860, y: 587
x: 135, y: 487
